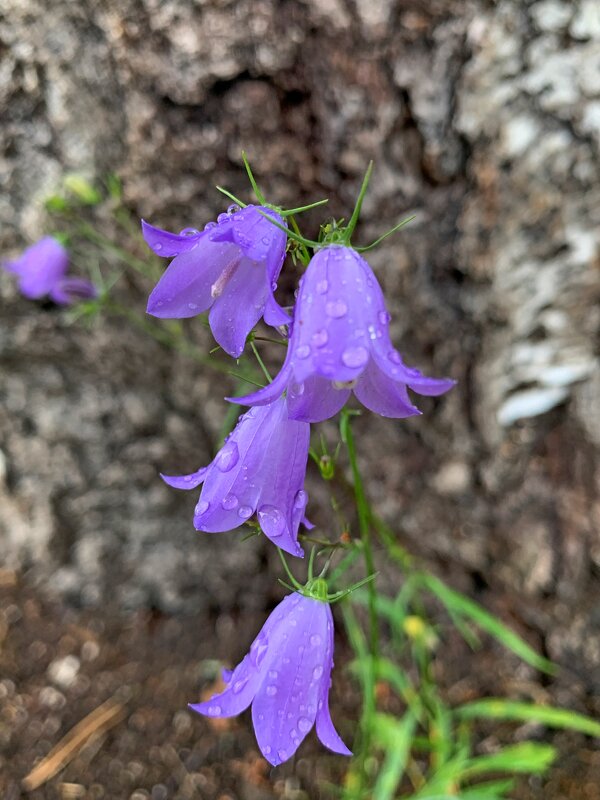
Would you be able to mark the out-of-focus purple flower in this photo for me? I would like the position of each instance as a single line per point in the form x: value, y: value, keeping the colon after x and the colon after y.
x: 230, y: 267
x: 41, y: 270
x: 260, y: 469
x: 286, y: 676
x: 340, y: 342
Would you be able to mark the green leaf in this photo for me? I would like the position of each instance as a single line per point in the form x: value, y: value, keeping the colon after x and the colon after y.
x: 498, y: 708
x: 526, y: 757
x: 395, y: 738
x: 457, y: 603
x: 491, y: 790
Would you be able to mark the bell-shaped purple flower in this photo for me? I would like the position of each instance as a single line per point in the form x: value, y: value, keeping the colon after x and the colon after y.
x: 231, y: 267
x: 41, y: 270
x: 340, y: 342
x: 286, y: 676
x: 260, y: 469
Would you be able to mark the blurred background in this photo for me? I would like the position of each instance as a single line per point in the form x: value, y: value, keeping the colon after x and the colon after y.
x: 483, y: 119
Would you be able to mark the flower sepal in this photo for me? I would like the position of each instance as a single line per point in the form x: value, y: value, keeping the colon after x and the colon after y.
x: 317, y: 588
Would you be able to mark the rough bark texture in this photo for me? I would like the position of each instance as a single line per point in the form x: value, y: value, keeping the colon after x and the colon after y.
x: 483, y: 119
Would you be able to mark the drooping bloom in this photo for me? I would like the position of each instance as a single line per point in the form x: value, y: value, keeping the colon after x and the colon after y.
x: 340, y: 342
x: 286, y: 676
x: 231, y: 267
x: 41, y: 270
x: 260, y: 469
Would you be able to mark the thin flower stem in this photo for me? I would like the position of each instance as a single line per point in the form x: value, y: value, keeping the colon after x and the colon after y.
x: 260, y: 362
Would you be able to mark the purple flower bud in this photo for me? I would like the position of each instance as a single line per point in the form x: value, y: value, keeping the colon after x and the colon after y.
x: 286, y: 676
x: 40, y: 267
x: 230, y: 267
x: 41, y: 270
x: 340, y: 342
x: 260, y: 469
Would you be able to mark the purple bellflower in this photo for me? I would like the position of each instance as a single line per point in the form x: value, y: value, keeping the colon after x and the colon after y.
x: 41, y: 270
x: 231, y: 268
x: 286, y: 677
x: 260, y: 469
x: 340, y: 342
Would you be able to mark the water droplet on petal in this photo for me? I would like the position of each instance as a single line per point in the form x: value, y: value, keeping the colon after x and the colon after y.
x: 394, y: 356
x: 233, y: 209
x: 265, y: 240
x: 244, y: 512
x: 189, y: 232
x: 282, y: 754
x: 229, y: 502
x: 319, y: 338
x: 336, y: 309
x: 271, y: 521
x: 222, y: 218
x: 301, y: 499
x: 227, y: 457
x: 315, y: 640
x: 304, y: 724
x: 258, y: 649
x: 383, y: 317
x: 303, y: 351
x: 267, y: 750
x: 297, y: 389
x: 271, y: 690
x: 210, y: 225
x: 213, y: 711
x: 201, y: 507
x: 239, y: 685
x: 273, y: 674
x: 157, y: 247
x: 322, y: 286
x: 355, y: 357
x: 317, y: 672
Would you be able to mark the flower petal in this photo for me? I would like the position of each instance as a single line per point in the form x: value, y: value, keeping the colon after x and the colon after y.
x: 285, y: 705
x: 166, y: 244
x: 185, y: 481
x: 274, y: 314
x: 186, y: 288
x: 70, y: 290
x: 232, y: 488
x: 268, y: 394
x: 40, y: 267
x: 325, y: 728
x: 315, y: 399
x: 379, y: 393
x: 242, y: 303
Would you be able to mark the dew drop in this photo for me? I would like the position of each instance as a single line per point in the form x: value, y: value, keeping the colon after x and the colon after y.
x: 271, y: 690
x: 267, y: 750
x: 304, y: 724
x: 271, y: 521
x: 282, y: 754
x: 322, y: 286
x: 222, y: 218
x: 202, y: 506
x: 383, y: 317
x: 394, y: 356
x: 229, y: 502
x: 258, y: 649
x: 233, y: 209
x: 354, y: 357
x: 157, y: 247
x: 315, y: 640
x: 189, y: 232
x: 213, y: 711
x: 239, y: 685
x: 319, y: 338
x: 317, y: 672
x: 227, y: 457
x: 244, y: 512
x: 297, y: 389
x: 192, y: 306
x: 336, y: 309
x: 210, y: 225
x: 265, y: 240
x: 273, y: 674
x: 303, y: 351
